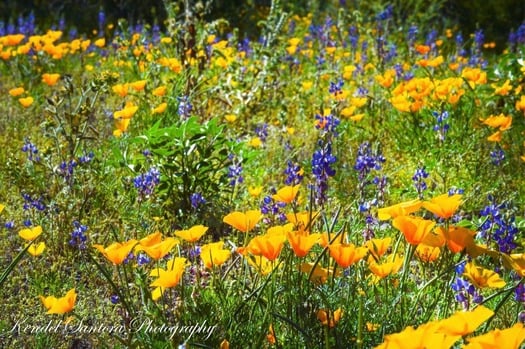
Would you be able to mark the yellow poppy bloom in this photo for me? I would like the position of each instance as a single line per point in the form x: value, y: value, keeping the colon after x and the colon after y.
x: 138, y: 85
x: 286, y: 194
x: 255, y: 191
x: 481, y: 277
x: 30, y: 234
x: 159, y: 91
x: 302, y: 243
x: 126, y: 113
x: 26, y: 101
x: 117, y: 252
x: 17, y: 91
x: 402, y: 209
x: 329, y: 318
x: 242, y: 221
x: 158, y: 250
x: 378, y: 247
x: 347, y: 254
x: 464, y: 322
x: 36, y: 250
x: 50, y: 79
x: 170, y: 276
x: 214, y: 255
x: 60, y: 305
x: 161, y: 108
x: 193, y: 234
x: 267, y: 245
x: 415, y: 229
x: 510, y: 338
x: 443, y: 206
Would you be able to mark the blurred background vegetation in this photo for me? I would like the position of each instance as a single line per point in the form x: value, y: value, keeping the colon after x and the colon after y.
x: 495, y: 18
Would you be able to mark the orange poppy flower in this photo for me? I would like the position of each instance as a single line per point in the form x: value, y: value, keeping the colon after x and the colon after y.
x: 378, y: 247
x: 443, y: 206
x: 427, y: 253
x: 193, y: 234
x: 26, y: 101
x: 415, y: 229
x: 158, y: 250
x: 425, y: 336
x: 243, y: 222
x: 318, y: 275
x: 402, y: 209
x: 266, y: 245
x: 214, y: 255
x: 457, y: 238
x: 301, y: 243
x: 161, y: 108
x: 30, y: 234
x: 382, y: 270
x: 347, y: 254
x: 151, y: 239
x: 329, y: 318
x: 286, y: 194
x: 464, y: 322
x: 17, y: 91
x: 510, y: 338
x: 121, y: 126
x: 170, y: 276
x: 60, y: 305
x: 138, y: 85
x: 117, y: 252
x: 120, y: 89
x: 481, y: 277
x: 159, y: 91
x: 50, y: 79
x: 127, y: 112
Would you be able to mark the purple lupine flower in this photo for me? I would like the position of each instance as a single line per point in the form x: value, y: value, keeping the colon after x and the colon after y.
x: 185, y: 107
x: 497, y: 156
x: 197, y: 200
x: 78, y: 236
x: 293, y: 174
x: 31, y: 150
x: 441, y: 127
x: 146, y: 182
x: 419, y: 178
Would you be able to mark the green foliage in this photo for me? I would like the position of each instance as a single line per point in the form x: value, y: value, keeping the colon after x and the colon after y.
x: 193, y: 158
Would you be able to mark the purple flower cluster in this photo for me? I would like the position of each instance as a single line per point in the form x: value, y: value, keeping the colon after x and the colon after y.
x: 261, y: 131
x: 146, y: 182
x: 419, y: 178
x: 335, y: 88
x: 328, y: 124
x: 31, y: 150
x: 322, y: 161
x: 499, y: 226
x: 497, y: 156
x: 293, y: 174
x: 197, y: 200
x: 30, y: 202
x: 24, y: 25
x: 466, y: 293
x: 272, y: 209
x: 78, y: 236
x: 441, y: 126
x: 66, y: 169
x: 235, y: 174
x: 185, y: 107
x: 367, y: 160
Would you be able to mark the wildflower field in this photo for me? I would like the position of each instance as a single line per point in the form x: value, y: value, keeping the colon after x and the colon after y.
x: 342, y: 181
